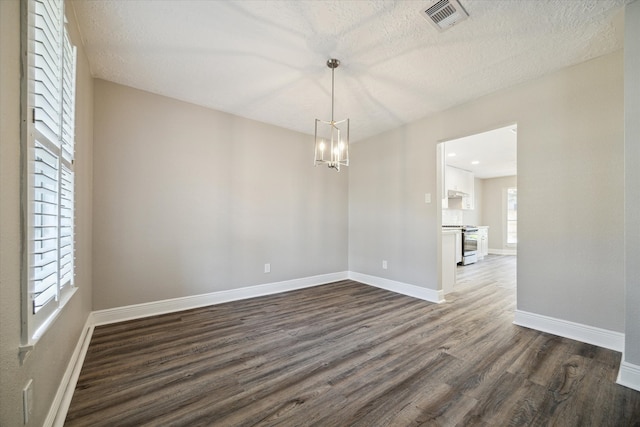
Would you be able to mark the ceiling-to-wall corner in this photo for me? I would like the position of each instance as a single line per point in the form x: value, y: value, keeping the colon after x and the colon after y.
x: 570, y: 155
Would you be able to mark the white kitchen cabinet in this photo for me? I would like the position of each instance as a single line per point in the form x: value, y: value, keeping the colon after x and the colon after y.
x: 468, y: 179
x: 467, y: 202
x: 483, y: 241
x: 454, y: 180
x: 458, y: 179
x: 462, y: 181
x: 458, y: 247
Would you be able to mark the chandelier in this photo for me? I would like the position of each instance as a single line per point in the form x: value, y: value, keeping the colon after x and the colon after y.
x: 332, y: 138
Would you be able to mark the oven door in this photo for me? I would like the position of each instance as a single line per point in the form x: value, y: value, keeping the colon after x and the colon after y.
x: 469, y: 247
x: 470, y: 242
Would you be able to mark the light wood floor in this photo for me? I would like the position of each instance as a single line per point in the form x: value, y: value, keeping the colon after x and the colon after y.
x: 347, y: 354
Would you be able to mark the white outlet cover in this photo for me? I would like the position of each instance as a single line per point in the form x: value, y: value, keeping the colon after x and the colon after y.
x: 267, y: 268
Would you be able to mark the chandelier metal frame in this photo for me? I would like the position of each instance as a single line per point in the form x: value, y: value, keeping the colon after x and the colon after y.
x: 332, y: 137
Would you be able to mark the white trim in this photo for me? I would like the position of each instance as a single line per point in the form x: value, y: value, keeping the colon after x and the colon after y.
x: 62, y: 399
x: 129, y: 312
x: 60, y: 405
x: 503, y: 251
x: 629, y: 375
x: 575, y: 331
x: 419, y: 292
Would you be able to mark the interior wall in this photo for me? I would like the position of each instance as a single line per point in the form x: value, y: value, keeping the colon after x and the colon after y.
x: 46, y: 364
x: 494, y: 211
x: 632, y: 180
x: 570, y: 181
x: 388, y: 217
x: 189, y: 201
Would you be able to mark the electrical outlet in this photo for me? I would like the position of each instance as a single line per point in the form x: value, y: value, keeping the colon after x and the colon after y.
x: 384, y: 264
x: 27, y: 401
x: 267, y: 268
x: 427, y: 197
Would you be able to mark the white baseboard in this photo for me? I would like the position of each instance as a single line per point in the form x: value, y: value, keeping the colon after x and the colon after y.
x: 503, y: 251
x: 629, y: 375
x: 419, y: 292
x: 137, y: 311
x: 575, y: 331
x: 62, y: 399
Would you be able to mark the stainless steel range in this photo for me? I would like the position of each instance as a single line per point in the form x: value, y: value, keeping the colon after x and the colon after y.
x: 469, y: 243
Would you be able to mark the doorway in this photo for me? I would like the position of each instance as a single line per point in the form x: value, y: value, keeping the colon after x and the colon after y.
x: 477, y: 177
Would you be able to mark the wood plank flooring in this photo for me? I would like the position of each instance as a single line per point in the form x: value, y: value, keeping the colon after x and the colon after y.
x: 347, y: 354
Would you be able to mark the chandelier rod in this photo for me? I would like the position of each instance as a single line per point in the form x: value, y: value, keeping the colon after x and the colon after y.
x: 333, y: 69
x: 333, y: 64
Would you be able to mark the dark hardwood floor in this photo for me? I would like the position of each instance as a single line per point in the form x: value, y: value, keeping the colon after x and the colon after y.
x: 347, y: 354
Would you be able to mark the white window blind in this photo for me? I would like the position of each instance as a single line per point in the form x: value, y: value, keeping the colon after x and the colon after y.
x: 50, y: 163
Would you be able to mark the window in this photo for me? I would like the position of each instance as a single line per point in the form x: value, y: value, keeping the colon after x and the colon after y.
x: 49, y: 142
x: 512, y: 216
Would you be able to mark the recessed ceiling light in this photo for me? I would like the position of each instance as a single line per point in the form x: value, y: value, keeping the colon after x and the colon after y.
x: 475, y: 162
x: 451, y: 154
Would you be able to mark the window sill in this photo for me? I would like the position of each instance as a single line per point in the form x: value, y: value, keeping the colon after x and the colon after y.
x: 25, y: 349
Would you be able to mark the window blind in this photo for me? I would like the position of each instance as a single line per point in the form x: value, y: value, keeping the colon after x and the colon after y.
x: 45, y: 227
x: 47, y: 67
x: 68, y: 98
x: 50, y: 148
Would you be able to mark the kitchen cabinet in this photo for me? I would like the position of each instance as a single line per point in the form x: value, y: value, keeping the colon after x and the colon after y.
x: 483, y: 241
x: 468, y: 186
x: 462, y: 181
x: 467, y: 202
x: 454, y: 179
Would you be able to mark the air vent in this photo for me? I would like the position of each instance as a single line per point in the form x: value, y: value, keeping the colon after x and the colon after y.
x: 444, y: 14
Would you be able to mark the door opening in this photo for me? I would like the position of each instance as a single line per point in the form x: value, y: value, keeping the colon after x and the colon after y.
x: 477, y: 191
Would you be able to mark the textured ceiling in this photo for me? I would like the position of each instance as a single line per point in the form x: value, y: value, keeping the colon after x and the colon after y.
x: 266, y: 60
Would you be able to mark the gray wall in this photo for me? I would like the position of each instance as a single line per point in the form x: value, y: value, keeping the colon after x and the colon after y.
x: 48, y: 361
x: 570, y: 188
x: 188, y: 201
x: 632, y: 180
x: 388, y: 217
x: 493, y: 210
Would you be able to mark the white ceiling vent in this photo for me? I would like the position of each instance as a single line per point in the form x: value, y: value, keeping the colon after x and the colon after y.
x: 444, y: 14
